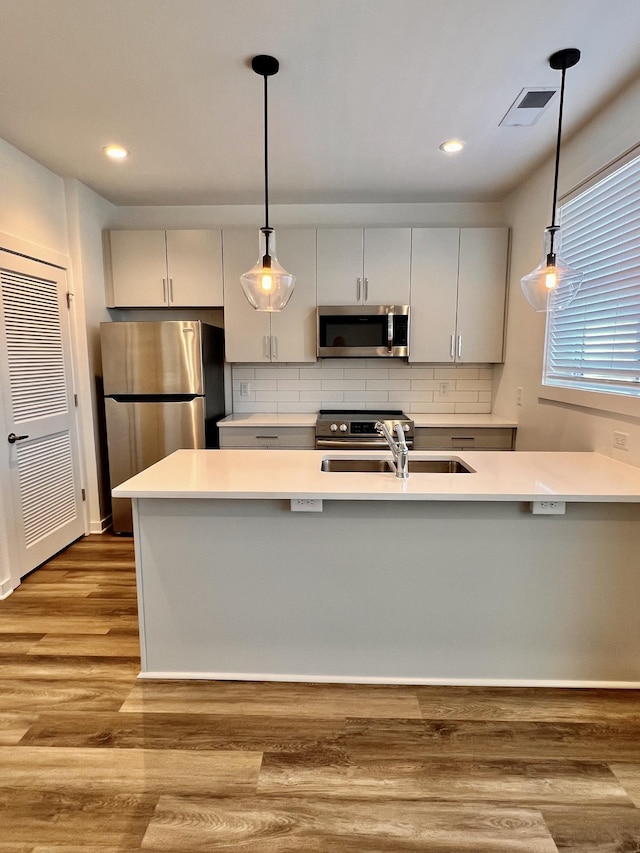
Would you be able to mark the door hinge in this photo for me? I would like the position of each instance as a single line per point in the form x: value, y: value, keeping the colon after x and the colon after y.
x: 69, y: 297
x: 75, y: 400
x: 84, y: 494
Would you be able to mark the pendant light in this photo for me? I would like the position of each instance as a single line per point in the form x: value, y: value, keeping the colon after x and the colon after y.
x: 553, y: 284
x: 267, y: 286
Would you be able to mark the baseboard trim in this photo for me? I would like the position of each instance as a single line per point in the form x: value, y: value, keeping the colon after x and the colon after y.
x: 7, y: 587
x: 100, y: 526
x: 347, y: 679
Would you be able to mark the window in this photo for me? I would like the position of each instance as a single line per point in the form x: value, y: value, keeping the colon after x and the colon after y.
x: 594, y: 343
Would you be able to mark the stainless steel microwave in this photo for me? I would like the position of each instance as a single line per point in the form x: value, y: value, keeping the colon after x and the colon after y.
x: 363, y: 331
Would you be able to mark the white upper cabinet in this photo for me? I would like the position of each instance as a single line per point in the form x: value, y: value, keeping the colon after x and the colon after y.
x: 156, y: 269
x: 359, y: 267
x: 340, y: 271
x: 482, y: 283
x: 458, y: 289
x: 259, y: 336
x: 434, y: 291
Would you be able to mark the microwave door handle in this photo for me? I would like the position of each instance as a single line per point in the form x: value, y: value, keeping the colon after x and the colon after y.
x: 390, y: 331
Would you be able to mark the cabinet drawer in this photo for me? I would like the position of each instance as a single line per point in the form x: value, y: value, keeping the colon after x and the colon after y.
x: 287, y: 438
x: 475, y: 438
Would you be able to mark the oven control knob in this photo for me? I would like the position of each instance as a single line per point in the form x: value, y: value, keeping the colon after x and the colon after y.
x: 405, y: 427
x: 334, y: 427
x: 343, y: 427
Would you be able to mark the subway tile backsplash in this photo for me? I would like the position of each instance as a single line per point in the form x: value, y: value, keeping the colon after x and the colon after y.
x: 363, y: 384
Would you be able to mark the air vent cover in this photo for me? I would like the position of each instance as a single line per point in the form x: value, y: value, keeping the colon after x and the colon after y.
x: 528, y: 107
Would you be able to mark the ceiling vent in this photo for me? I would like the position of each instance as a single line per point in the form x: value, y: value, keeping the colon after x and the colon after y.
x: 528, y: 107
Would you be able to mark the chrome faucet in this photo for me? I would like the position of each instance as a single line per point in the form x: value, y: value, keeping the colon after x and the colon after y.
x: 399, y: 449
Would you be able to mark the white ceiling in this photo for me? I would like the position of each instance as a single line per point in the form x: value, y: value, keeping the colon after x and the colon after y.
x: 366, y: 92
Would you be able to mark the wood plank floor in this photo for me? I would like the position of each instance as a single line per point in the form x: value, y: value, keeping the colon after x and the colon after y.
x: 91, y: 759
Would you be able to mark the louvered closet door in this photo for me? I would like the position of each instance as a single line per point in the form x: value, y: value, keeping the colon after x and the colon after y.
x: 40, y: 427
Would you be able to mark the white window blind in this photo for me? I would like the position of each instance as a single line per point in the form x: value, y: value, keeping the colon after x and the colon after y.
x: 594, y: 343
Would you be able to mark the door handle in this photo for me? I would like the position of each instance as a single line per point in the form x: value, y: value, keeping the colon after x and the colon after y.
x: 358, y: 289
x: 459, y: 346
x: 170, y: 290
x: 274, y: 347
x: 366, y: 290
x: 452, y: 351
x: 164, y: 291
x: 266, y: 340
x: 12, y: 437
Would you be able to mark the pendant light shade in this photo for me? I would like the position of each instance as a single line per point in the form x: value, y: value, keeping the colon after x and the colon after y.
x: 267, y: 286
x: 553, y: 284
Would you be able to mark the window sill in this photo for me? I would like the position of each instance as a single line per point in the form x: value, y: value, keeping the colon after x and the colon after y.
x: 611, y: 404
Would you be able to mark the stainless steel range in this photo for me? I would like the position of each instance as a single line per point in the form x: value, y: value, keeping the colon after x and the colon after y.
x: 355, y: 429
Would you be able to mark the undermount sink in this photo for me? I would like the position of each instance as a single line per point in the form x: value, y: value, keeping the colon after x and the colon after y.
x: 441, y: 465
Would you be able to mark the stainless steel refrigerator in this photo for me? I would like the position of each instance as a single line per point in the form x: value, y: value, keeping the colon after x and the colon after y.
x: 164, y: 391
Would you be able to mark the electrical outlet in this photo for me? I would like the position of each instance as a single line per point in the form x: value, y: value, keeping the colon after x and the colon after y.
x: 306, y: 505
x: 621, y: 440
x: 548, y: 507
x: 519, y: 395
x: 245, y: 389
x: 443, y: 389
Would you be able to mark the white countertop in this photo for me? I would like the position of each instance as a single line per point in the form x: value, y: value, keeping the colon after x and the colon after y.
x: 267, y: 419
x: 304, y: 419
x: 283, y: 474
x: 424, y: 419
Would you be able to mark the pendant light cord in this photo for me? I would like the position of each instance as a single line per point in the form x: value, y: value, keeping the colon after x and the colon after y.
x: 554, y: 225
x: 266, y: 160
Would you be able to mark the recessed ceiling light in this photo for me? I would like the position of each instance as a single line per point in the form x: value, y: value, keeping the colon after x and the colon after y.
x: 116, y: 152
x: 451, y: 146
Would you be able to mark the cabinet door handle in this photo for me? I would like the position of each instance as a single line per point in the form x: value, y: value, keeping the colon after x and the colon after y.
x: 274, y: 347
x: 358, y: 288
x: 366, y: 289
x: 267, y: 347
x: 170, y: 290
x: 452, y: 351
x: 164, y: 291
x: 459, y: 346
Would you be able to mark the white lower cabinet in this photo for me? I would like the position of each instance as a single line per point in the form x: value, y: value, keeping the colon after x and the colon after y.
x: 458, y: 291
x: 270, y: 438
x: 464, y: 438
x: 258, y: 336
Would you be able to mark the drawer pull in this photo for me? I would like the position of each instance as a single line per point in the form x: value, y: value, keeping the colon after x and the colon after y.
x: 267, y: 436
x: 463, y: 438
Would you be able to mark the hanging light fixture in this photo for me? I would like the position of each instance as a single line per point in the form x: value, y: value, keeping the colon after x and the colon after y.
x: 267, y: 286
x: 553, y: 284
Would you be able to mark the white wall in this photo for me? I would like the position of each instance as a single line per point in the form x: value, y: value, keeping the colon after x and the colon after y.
x: 33, y: 204
x: 88, y: 215
x: 546, y: 425
x: 313, y: 215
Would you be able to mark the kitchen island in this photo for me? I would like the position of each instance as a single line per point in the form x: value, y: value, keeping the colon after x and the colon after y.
x: 441, y: 578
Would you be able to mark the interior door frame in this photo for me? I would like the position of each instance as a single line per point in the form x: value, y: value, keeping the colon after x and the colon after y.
x: 9, y: 562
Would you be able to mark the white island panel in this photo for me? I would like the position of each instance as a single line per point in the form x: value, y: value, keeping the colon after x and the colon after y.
x: 389, y: 591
